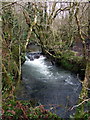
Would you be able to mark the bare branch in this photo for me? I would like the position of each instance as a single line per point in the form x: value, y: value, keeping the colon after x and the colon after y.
x: 84, y: 10
x: 62, y: 9
x: 9, y: 4
x: 53, y: 9
x: 80, y: 103
x: 59, y: 10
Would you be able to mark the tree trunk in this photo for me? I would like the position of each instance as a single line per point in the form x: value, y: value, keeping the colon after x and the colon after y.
x: 80, y: 33
x: 87, y: 75
x: 19, y: 77
x: 28, y: 37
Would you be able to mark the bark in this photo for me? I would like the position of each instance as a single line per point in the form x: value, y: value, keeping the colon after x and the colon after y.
x: 53, y: 10
x: 40, y: 40
x: 19, y: 77
x: 70, y: 33
x: 27, y: 18
x: 45, y: 13
x: 87, y: 75
x: 89, y: 19
x: 80, y: 32
x: 28, y: 37
x: 31, y: 25
x: 86, y: 83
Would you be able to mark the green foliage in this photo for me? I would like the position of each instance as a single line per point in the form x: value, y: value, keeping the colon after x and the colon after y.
x: 6, y: 86
x: 23, y: 58
x: 58, y: 40
x: 7, y: 17
x: 70, y: 61
x: 83, y: 112
x: 23, y: 110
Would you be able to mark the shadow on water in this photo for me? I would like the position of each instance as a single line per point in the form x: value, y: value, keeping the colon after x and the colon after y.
x: 50, y: 85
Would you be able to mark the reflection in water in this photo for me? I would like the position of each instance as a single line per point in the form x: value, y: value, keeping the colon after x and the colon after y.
x: 49, y: 85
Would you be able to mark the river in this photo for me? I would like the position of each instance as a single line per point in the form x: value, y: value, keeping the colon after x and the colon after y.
x: 50, y: 85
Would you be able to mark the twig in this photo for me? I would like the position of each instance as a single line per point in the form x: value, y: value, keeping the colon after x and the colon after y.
x: 80, y: 103
x: 50, y: 53
x: 87, y: 88
x: 79, y: 79
x: 9, y: 4
x: 81, y: 82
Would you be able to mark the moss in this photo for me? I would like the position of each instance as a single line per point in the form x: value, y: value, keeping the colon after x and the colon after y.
x: 23, y: 58
x: 70, y: 61
x: 65, y: 63
x: 69, y: 65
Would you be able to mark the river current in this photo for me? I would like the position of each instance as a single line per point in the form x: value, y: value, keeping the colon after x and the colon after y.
x: 50, y: 85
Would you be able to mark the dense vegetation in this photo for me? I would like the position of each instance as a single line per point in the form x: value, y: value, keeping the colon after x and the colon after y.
x: 63, y: 32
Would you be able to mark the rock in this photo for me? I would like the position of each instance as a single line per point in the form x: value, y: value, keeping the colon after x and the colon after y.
x: 30, y: 57
x: 33, y: 55
x: 37, y: 56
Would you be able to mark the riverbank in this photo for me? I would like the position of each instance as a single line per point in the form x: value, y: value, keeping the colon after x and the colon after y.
x: 25, y: 110
x: 69, y: 61
x: 12, y: 112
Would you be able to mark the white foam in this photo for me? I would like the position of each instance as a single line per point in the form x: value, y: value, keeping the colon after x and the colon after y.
x: 39, y: 64
x: 27, y: 59
x: 69, y: 81
x: 40, y: 68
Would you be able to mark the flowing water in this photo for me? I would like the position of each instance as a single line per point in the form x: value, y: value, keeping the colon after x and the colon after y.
x: 50, y: 85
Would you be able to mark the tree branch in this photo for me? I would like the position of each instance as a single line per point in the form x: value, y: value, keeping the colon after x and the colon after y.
x: 80, y: 103
x: 53, y: 9
x: 9, y: 4
x: 62, y: 9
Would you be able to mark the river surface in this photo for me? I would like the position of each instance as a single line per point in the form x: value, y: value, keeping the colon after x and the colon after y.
x: 50, y: 85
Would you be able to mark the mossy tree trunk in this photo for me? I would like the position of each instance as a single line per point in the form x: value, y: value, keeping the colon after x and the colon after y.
x: 87, y: 75
x: 80, y: 32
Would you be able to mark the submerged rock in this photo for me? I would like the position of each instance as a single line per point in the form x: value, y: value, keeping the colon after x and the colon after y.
x: 33, y: 55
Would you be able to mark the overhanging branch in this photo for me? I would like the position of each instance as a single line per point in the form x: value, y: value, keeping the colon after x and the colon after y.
x: 80, y: 103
